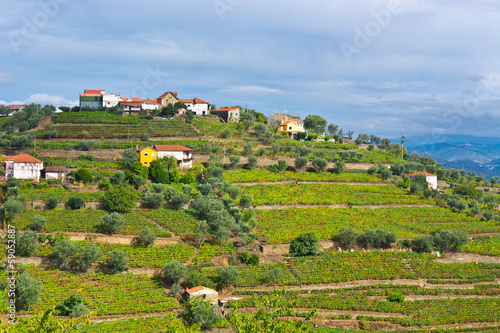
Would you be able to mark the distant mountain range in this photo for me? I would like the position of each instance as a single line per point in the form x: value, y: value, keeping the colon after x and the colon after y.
x: 471, y: 153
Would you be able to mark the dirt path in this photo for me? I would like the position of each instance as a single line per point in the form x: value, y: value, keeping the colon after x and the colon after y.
x: 461, y: 258
x: 340, y: 206
x: 422, y: 283
x: 115, y: 239
x: 46, y: 121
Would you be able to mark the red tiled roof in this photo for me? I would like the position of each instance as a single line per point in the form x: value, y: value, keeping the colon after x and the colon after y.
x: 198, y: 288
x: 168, y: 92
x: 94, y: 91
x: 228, y: 109
x: 171, y: 148
x: 136, y: 99
x: 186, y: 101
x: 22, y: 158
x: 422, y: 173
x: 151, y: 101
x: 124, y: 99
x: 199, y: 101
x: 15, y: 106
x: 287, y: 118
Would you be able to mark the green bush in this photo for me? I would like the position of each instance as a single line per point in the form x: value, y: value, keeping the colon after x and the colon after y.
x: 396, y: 298
x: 84, y: 175
x: 75, y: 202
x: 305, y: 245
x: 52, y: 204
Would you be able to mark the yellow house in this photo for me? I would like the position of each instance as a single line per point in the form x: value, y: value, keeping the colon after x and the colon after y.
x: 147, y: 155
x: 291, y: 128
x: 167, y: 98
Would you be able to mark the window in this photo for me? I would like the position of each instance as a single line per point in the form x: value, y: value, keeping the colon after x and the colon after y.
x: 145, y: 163
x: 152, y: 154
x: 145, y: 154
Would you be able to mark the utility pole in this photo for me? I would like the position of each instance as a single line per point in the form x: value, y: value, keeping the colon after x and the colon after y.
x: 402, y: 142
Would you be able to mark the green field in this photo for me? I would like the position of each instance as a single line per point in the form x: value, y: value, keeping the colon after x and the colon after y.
x: 330, y: 194
x: 245, y: 176
x: 283, y: 225
x: 85, y: 220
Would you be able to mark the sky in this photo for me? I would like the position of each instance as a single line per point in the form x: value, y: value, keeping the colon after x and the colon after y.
x: 384, y: 67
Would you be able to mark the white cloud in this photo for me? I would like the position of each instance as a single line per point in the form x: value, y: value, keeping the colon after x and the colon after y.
x: 43, y: 99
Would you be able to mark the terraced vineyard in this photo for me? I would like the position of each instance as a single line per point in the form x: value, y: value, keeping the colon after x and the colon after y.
x: 166, y: 128
x: 408, y: 314
x: 60, y: 194
x: 84, y: 220
x: 283, y: 225
x: 488, y: 245
x: 104, y: 294
x: 245, y: 176
x: 330, y: 194
x: 139, y: 256
x: 178, y: 221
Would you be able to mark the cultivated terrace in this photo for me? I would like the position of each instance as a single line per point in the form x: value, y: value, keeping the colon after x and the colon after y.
x: 319, y: 234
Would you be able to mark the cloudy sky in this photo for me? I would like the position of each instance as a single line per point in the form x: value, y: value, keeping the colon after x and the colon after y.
x: 372, y: 66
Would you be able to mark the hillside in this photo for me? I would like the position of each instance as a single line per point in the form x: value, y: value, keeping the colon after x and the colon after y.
x: 241, y: 206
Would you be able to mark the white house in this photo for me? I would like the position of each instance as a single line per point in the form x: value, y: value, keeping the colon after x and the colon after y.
x: 23, y: 166
x: 228, y: 115
x: 110, y: 100
x: 429, y: 178
x: 197, y: 106
x: 56, y: 172
x: 207, y: 293
x: 184, y: 155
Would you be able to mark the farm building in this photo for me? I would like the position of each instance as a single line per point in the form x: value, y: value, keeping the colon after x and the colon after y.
x: 229, y: 115
x: 56, y: 172
x: 207, y: 293
x: 22, y: 166
x: 429, y: 178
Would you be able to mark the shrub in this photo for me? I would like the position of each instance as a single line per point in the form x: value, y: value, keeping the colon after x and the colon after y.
x: 84, y: 175
x: 154, y: 200
x: 26, y: 244
x: 27, y: 291
x: 86, y: 256
x: 423, y: 244
x: 147, y: 237
x: 112, y: 223
x: 346, y: 238
x: 13, y: 182
x: 319, y: 164
x: 38, y: 224
x: 300, y: 162
x: 305, y: 245
x: 254, y: 260
x: 120, y: 199
x: 75, y: 202
x: 72, y: 306
x: 378, y: 239
x: 227, y: 275
x: 118, y: 178
x: 173, y: 271
x: 450, y: 240
x: 52, y: 204
x: 396, y: 298
x: 117, y: 262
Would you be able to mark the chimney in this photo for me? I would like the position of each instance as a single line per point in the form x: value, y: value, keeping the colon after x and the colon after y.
x: 286, y: 118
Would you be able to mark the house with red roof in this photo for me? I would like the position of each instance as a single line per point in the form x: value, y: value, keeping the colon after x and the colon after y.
x: 206, y: 293
x: 429, y: 178
x: 285, y: 124
x: 197, y: 106
x: 170, y: 97
x: 22, y: 166
x: 14, y: 108
x: 92, y: 98
x: 228, y: 115
x: 130, y: 108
